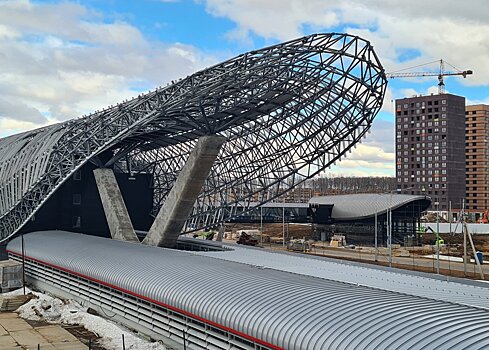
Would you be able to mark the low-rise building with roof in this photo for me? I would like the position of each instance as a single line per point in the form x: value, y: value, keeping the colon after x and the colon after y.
x: 356, y: 215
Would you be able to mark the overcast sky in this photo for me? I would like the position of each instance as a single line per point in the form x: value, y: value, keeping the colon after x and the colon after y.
x: 60, y: 60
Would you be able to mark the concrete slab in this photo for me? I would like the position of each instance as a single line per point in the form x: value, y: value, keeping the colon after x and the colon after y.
x: 56, y: 334
x: 14, y: 324
x: 7, y: 342
x: 3, y: 331
x: 17, y: 334
x: 69, y: 346
x: 31, y: 339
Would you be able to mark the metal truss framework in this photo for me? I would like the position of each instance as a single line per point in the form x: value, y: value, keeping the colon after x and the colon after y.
x: 288, y: 111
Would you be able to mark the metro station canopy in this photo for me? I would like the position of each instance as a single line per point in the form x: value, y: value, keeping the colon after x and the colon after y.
x: 288, y: 111
x: 351, y: 207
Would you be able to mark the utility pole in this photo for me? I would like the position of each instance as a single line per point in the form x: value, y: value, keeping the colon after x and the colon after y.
x: 23, y: 262
x: 376, y: 248
x: 465, y: 236
x: 450, y: 216
x: 283, y: 225
x: 389, y: 232
x: 438, y: 238
x: 261, y: 226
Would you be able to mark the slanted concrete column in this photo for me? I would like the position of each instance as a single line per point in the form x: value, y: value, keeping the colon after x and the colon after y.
x: 120, y: 224
x: 180, y: 201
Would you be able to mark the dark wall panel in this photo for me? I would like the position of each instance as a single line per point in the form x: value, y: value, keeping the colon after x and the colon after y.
x: 77, y: 207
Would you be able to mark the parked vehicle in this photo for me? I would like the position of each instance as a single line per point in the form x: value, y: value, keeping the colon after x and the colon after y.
x: 246, y: 239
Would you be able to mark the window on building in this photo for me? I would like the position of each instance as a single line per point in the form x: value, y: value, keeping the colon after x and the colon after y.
x: 77, y: 199
x: 76, y: 222
x: 77, y: 175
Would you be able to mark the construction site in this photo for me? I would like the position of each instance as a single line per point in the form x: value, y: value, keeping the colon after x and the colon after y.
x: 163, y: 222
x: 299, y: 238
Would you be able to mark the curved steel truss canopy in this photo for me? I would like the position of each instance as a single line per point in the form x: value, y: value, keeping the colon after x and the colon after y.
x: 288, y: 111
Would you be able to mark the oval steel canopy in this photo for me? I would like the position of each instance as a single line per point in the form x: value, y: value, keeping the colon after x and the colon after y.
x: 288, y: 111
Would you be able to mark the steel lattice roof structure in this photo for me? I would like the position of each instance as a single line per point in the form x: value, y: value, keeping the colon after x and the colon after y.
x: 288, y: 111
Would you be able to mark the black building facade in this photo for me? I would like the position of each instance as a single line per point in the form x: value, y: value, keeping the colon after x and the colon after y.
x: 77, y: 207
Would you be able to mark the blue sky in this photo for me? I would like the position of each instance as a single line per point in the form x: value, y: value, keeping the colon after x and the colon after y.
x: 59, y: 60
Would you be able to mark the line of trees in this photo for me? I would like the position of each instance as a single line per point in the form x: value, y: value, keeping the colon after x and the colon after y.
x: 347, y: 184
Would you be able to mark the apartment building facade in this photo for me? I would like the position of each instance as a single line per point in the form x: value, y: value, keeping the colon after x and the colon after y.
x: 477, y: 157
x: 430, y: 148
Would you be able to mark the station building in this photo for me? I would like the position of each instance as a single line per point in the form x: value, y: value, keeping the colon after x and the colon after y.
x: 356, y: 215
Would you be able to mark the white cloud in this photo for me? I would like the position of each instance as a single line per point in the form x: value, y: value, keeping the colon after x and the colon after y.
x: 373, y: 157
x: 275, y: 19
x: 451, y: 29
x: 63, y: 60
x: 13, y: 126
x: 20, y: 111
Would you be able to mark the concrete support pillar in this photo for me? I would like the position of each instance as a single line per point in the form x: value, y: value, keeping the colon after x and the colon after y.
x: 120, y: 224
x: 180, y: 201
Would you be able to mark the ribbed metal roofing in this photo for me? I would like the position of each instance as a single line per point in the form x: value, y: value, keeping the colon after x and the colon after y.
x: 364, y: 205
x: 289, y: 310
x: 421, y: 284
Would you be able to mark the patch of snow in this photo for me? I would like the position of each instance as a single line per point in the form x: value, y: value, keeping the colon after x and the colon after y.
x: 54, y: 310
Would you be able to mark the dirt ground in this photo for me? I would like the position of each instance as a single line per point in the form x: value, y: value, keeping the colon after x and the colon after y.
x: 453, y: 243
x: 276, y: 229
x: 481, y: 242
x: 305, y: 230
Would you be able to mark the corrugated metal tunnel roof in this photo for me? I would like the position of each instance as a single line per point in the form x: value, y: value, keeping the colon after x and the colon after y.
x: 289, y: 310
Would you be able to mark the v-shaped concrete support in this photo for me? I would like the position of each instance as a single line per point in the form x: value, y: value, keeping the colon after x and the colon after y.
x: 120, y: 224
x: 180, y: 201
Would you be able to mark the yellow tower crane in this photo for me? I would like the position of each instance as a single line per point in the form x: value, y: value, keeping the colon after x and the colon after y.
x: 441, y: 73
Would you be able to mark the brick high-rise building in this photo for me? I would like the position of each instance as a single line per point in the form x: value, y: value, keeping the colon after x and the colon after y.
x: 477, y: 157
x: 430, y: 148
